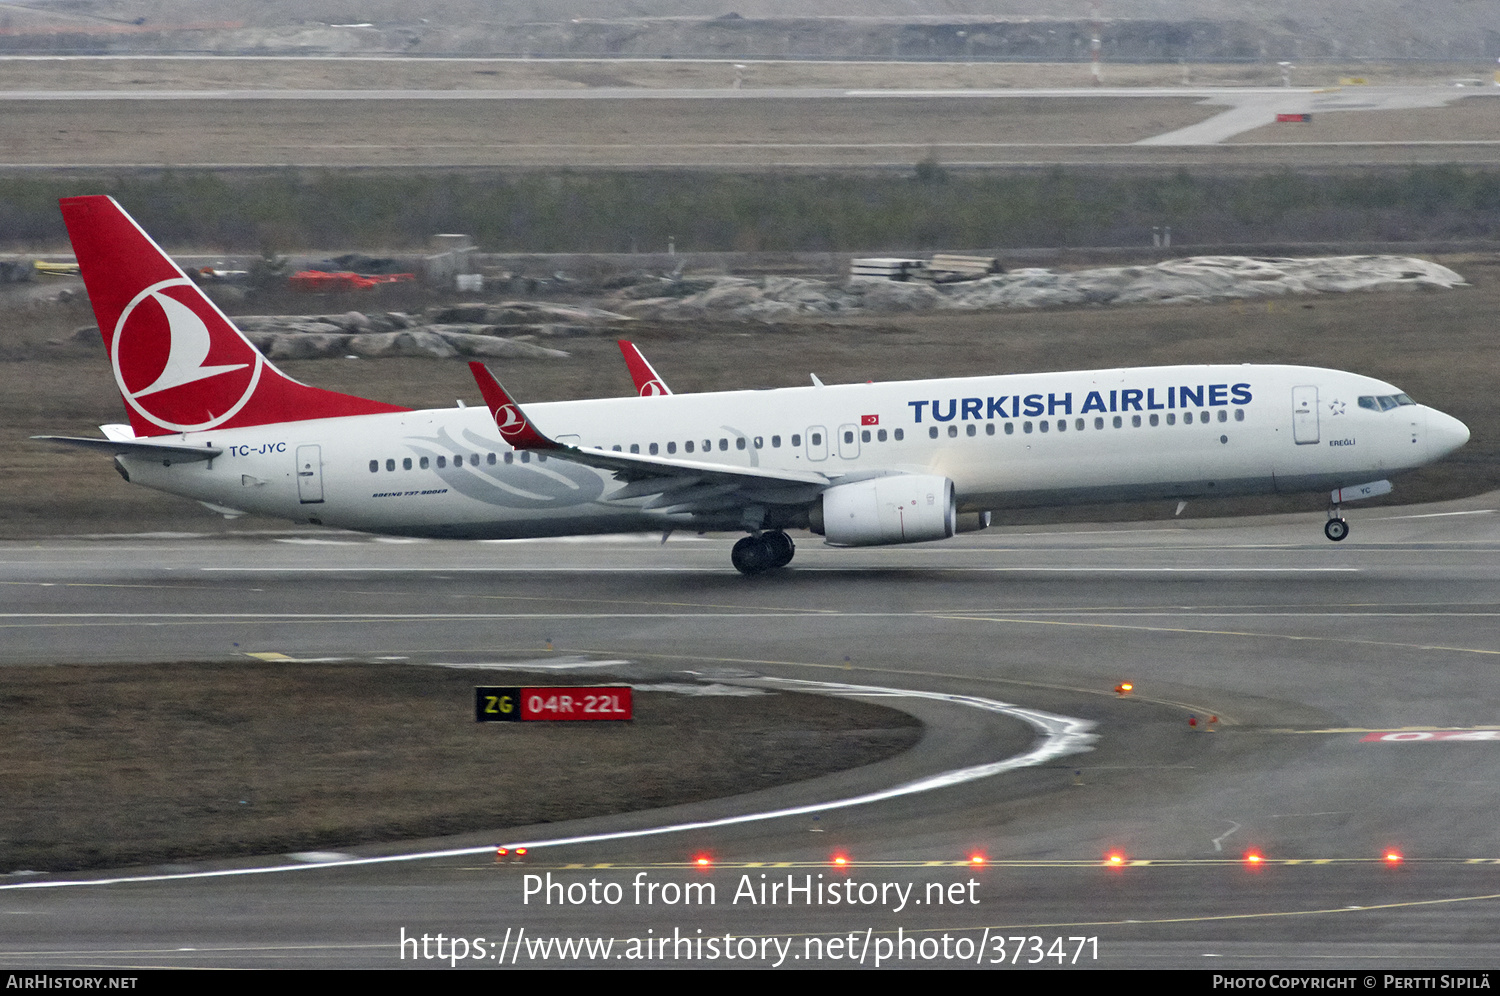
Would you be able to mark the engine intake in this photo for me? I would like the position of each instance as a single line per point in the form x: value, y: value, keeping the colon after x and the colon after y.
x: 907, y: 508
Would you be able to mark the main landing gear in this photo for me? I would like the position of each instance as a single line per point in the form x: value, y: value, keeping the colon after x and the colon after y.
x: 766, y: 552
x: 1335, y: 528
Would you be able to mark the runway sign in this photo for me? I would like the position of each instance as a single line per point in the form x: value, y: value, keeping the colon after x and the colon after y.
x: 493, y: 704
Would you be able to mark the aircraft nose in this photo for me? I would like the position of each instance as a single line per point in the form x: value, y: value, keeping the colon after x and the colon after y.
x: 1444, y: 433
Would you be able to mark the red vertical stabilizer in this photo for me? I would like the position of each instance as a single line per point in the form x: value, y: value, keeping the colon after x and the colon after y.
x: 180, y: 364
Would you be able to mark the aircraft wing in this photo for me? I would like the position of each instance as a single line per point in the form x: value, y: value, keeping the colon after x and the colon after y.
x: 136, y: 447
x: 673, y: 485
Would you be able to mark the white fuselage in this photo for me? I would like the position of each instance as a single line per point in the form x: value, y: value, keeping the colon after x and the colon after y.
x: 1005, y: 441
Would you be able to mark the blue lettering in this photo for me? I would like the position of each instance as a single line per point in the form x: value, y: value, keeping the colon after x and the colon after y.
x: 918, y: 406
x: 1112, y: 402
x: 1217, y: 394
x: 1033, y: 404
x: 1130, y: 398
x: 1171, y: 397
x: 1066, y: 403
x: 997, y: 407
x: 952, y: 411
x: 1151, y: 404
x: 1187, y: 393
x: 1241, y: 394
x: 971, y: 408
x: 1093, y: 403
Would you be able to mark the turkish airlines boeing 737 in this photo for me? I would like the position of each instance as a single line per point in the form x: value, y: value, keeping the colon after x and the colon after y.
x: 861, y: 464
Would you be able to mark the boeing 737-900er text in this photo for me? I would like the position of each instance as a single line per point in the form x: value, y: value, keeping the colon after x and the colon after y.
x: 861, y: 464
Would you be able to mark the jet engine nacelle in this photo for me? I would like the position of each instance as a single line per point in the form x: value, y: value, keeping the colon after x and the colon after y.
x: 906, y: 508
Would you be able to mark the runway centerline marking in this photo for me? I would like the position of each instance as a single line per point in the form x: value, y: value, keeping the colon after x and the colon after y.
x: 1221, y: 632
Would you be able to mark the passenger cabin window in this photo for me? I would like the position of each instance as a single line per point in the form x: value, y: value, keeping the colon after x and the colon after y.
x: 989, y: 428
x: 816, y: 439
x: 932, y: 432
x: 880, y: 435
x: 971, y: 429
x: 1135, y: 421
x: 508, y: 458
x: 1223, y: 415
x: 406, y: 463
x: 776, y: 442
x: 671, y: 448
x: 1010, y: 428
x: 390, y: 465
x: 864, y: 435
x: 739, y: 443
x: 635, y: 447
x: 796, y: 439
x: 1099, y: 422
x: 654, y: 449
x: 952, y: 432
x: 900, y: 435
x: 1118, y: 422
x: 374, y: 466
x: 489, y: 458
x: 1155, y: 419
x: 688, y: 446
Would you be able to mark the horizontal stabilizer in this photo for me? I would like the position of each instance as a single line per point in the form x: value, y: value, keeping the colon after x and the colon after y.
x: 135, y: 447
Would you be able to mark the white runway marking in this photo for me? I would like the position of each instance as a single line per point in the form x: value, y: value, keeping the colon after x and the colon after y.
x: 1061, y: 736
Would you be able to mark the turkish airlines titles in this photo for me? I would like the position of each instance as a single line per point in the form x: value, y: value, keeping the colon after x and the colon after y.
x: 1119, y: 400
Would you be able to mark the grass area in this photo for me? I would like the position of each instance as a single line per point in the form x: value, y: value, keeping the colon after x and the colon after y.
x: 851, y: 211
x: 109, y: 765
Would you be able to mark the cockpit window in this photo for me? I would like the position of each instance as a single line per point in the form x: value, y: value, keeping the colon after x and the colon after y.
x: 1386, y: 402
x: 1368, y: 401
x: 1404, y: 399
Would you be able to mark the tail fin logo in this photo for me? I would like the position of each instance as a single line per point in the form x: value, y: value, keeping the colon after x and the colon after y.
x: 510, y: 422
x: 178, y: 362
x: 653, y: 388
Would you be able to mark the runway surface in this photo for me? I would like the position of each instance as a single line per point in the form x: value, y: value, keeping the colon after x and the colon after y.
x: 1310, y: 655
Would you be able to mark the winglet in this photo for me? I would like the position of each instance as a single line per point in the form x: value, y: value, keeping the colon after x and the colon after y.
x: 514, y: 427
x: 648, y: 382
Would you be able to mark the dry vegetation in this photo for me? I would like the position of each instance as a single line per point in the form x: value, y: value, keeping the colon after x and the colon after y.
x: 111, y: 765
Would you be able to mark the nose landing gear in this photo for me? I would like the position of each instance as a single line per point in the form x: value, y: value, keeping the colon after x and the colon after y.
x: 766, y: 552
x: 1335, y: 528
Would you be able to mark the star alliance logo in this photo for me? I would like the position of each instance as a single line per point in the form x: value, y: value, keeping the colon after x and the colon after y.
x: 1335, y: 408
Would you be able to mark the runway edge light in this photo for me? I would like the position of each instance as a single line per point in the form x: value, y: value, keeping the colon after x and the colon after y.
x: 1115, y: 859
